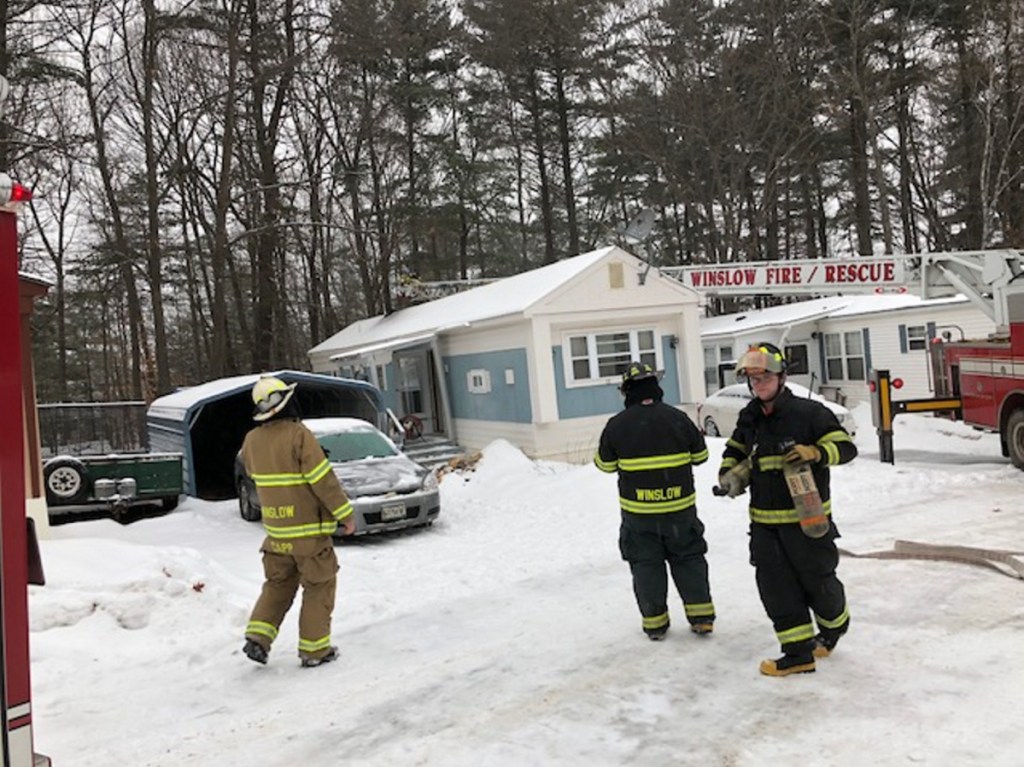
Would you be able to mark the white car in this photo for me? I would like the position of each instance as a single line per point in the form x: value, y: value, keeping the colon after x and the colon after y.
x: 717, y: 415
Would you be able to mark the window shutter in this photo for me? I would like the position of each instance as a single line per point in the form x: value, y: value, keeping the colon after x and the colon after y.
x: 931, y: 331
x: 903, y: 339
x: 867, y: 351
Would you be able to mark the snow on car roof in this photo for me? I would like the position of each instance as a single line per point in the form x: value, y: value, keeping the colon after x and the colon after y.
x: 337, y: 425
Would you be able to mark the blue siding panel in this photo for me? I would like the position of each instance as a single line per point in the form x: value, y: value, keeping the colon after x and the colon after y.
x: 670, y: 381
x: 606, y: 399
x: 504, y: 402
x: 585, y: 400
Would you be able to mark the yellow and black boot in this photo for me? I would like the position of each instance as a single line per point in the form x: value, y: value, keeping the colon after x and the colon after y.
x: 788, y: 664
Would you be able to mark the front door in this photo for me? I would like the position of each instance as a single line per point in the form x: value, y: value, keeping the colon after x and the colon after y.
x: 415, y: 392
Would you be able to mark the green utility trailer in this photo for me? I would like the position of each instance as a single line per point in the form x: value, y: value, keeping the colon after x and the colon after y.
x: 119, y: 481
x: 95, y: 455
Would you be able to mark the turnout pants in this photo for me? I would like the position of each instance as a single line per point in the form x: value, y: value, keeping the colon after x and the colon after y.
x: 650, y: 541
x: 284, y: 573
x: 796, y: 573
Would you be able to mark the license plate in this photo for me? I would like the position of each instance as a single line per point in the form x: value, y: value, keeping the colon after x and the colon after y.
x: 392, y: 512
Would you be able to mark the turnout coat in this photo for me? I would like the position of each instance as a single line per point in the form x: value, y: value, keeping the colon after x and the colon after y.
x: 654, y: 447
x: 302, y: 499
x: 767, y: 437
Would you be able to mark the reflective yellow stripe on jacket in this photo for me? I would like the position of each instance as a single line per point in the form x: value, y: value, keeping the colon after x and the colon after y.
x: 652, y: 462
x: 828, y: 445
x: 301, y: 531
x: 781, y: 516
x: 291, y: 480
x: 324, y: 527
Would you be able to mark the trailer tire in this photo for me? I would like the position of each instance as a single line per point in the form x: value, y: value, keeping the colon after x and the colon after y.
x: 65, y: 481
x: 1015, y: 438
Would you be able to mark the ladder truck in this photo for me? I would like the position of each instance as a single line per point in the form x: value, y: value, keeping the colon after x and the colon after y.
x: 980, y: 382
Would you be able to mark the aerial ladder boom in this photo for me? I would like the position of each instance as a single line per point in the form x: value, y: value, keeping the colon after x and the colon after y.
x: 980, y: 275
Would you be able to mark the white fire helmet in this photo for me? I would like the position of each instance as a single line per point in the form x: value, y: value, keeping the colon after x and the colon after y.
x: 270, y: 395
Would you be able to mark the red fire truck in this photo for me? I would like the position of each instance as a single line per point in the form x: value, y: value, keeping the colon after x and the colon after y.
x: 980, y: 382
x: 985, y: 379
x: 18, y: 555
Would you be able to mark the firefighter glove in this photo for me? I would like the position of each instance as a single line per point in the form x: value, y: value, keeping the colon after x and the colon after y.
x: 803, y: 454
x: 732, y: 484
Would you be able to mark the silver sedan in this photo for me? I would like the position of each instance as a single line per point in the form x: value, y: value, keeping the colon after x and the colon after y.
x: 388, y: 490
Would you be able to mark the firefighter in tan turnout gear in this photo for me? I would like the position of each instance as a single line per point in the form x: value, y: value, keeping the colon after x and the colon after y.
x: 653, y: 447
x: 303, y: 505
x: 796, y: 573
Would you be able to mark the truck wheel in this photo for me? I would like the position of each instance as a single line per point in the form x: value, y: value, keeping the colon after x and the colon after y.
x: 1015, y: 438
x: 169, y: 502
x: 65, y: 481
x: 248, y: 505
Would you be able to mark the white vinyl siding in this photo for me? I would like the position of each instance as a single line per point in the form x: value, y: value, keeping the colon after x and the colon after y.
x: 888, y: 353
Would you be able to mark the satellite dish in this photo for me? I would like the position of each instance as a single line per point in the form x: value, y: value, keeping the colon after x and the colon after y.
x: 639, y: 228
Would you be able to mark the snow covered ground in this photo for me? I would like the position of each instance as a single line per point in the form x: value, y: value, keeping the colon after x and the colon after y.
x: 507, y: 634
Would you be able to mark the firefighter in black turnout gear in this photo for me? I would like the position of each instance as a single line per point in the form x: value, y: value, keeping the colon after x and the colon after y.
x: 796, y: 574
x: 653, y: 447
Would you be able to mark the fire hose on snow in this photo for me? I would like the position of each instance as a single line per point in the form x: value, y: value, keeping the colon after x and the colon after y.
x: 1000, y: 560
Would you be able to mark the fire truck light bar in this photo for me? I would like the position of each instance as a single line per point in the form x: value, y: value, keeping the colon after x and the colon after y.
x: 12, y: 194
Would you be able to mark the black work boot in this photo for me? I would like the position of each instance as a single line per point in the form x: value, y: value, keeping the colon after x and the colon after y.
x: 255, y: 651
x: 827, y: 639
x: 824, y: 645
x: 788, y: 664
x: 331, y: 654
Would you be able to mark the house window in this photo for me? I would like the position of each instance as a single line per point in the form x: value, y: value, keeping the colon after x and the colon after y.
x: 844, y: 356
x: 715, y: 359
x: 601, y: 357
x: 478, y: 381
x: 796, y: 357
x: 854, y: 356
x: 409, y: 385
x: 917, y: 337
x: 710, y: 368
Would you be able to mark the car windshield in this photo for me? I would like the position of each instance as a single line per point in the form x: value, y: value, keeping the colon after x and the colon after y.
x: 355, y: 445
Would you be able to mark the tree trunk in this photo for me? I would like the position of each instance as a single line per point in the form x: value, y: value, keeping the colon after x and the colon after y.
x: 859, y: 175
x: 154, y: 256
x: 565, y: 139
x: 542, y: 170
